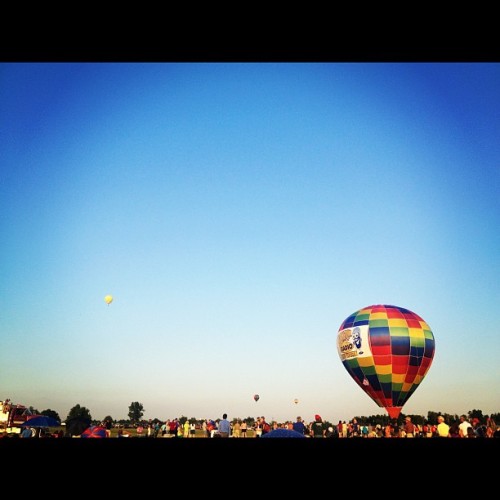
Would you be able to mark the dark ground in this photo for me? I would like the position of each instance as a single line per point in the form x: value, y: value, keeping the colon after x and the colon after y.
x: 143, y: 467
x: 271, y: 452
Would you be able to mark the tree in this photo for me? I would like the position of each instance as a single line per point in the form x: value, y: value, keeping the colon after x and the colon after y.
x: 416, y: 419
x: 78, y: 412
x: 476, y: 414
x: 135, y: 411
x: 51, y: 414
x: 432, y: 416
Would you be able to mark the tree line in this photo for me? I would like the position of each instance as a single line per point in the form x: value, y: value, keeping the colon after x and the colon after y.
x: 136, y: 412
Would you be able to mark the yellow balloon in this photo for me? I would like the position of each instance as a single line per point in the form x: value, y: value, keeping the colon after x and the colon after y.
x: 108, y: 299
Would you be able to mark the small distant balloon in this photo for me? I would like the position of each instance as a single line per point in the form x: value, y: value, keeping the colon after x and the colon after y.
x: 108, y: 299
x: 295, y: 400
x: 256, y: 397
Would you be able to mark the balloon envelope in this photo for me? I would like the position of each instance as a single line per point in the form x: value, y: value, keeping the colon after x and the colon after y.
x: 40, y: 421
x: 256, y: 397
x: 295, y: 401
x: 283, y: 433
x: 387, y: 350
x: 95, y: 431
x: 108, y: 299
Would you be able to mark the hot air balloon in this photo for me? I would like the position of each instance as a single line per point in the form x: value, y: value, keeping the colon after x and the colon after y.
x: 295, y: 400
x: 256, y: 397
x: 108, y: 299
x: 387, y: 350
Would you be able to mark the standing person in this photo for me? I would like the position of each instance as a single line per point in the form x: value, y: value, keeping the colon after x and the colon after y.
x: 388, y: 430
x: 344, y: 429
x: 454, y: 430
x: 491, y: 426
x: 173, y: 424
x: 339, y: 428
x: 107, y: 424
x: 211, y: 428
x: 237, y: 429
x: 164, y: 428
x: 299, y: 426
x: 186, y: 429
x: 443, y: 429
x: 156, y: 430
x: 409, y: 428
x: 224, y: 427
x: 318, y: 427
x: 243, y: 429
x: 354, y: 428
x: 463, y: 426
x: 257, y: 430
x: 479, y: 428
x: 265, y: 426
x: 192, y: 430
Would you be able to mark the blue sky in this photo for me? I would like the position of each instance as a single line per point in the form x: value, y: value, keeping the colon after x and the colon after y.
x: 238, y: 213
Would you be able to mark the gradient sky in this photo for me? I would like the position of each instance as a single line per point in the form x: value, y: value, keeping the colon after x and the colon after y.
x: 238, y: 213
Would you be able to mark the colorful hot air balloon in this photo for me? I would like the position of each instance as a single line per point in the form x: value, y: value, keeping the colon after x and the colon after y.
x: 387, y: 350
x: 295, y: 400
x: 108, y: 299
x: 256, y: 397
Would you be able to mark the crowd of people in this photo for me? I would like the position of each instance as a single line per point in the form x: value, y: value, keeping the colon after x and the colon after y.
x: 317, y: 428
x: 258, y: 427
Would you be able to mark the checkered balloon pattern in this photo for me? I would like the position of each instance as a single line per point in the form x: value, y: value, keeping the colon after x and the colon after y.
x: 387, y: 350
